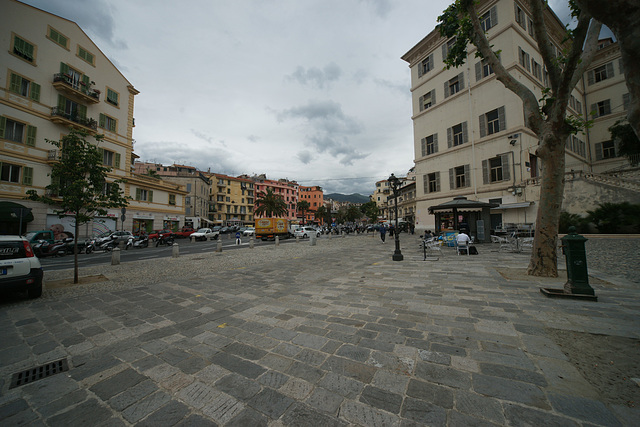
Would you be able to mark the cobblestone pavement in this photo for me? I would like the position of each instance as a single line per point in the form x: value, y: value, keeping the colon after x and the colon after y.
x: 336, y: 334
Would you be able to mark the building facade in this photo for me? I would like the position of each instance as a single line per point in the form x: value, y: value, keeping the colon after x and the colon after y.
x: 53, y: 77
x: 288, y: 190
x: 469, y: 133
x: 234, y: 199
x: 315, y: 197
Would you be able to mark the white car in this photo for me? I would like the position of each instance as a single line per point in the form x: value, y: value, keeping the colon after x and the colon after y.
x: 205, y: 234
x: 20, y: 269
x: 249, y: 231
x: 305, y: 232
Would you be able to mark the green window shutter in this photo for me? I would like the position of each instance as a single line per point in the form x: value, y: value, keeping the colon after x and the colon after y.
x: 112, y: 125
x: 31, y: 136
x: 64, y: 68
x: 117, y: 161
x: 82, y: 111
x: 16, y: 82
x: 101, y: 151
x: 86, y: 81
x: 35, y: 91
x: 62, y: 103
x: 102, y: 120
x: 3, y: 124
x: 138, y: 193
x: 150, y: 198
x: 27, y: 176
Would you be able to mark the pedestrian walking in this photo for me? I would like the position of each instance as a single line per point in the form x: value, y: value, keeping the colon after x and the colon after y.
x: 383, y: 232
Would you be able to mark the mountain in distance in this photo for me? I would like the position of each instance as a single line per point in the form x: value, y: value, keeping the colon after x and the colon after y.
x: 353, y: 198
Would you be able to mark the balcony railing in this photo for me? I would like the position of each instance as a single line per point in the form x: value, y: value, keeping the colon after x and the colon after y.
x: 65, y: 83
x: 61, y: 117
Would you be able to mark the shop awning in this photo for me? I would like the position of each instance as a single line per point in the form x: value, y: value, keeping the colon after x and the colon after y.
x: 11, y: 212
x: 513, y: 206
x: 461, y: 204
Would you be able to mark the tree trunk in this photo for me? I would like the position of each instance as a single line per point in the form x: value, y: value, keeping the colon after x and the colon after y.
x: 544, y: 258
x: 75, y: 252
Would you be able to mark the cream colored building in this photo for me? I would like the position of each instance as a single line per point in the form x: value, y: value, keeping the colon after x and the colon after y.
x: 52, y: 77
x: 469, y: 133
x: 234, y: 200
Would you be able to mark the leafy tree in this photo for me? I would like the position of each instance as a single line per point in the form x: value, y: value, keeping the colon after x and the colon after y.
x: 370, y: 210
x: 546, y: 117
x: 321, y: 213
x: 627, y: 141
x: 623, y: 19
x: 568, y: 219
x: 611, y: 217
x: 79, y: 183
x: 353, y: 213
x: 270, y: 204
x: 303, y: 206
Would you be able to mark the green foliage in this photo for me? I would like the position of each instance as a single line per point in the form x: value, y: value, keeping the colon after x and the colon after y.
x: 613, y: 218
x: 270, y: 204
x: 353, y: 213
x: 79, y: 180
x: 628, y: 143
x: 370, y: 210
x: 303, y: 206
x: 456, y: 22
x: 567, y: 220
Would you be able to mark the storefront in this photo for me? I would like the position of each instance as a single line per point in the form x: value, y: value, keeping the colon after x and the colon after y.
x: 142, y: 223
x: 472, y: 217
x: 14, y: 218
x: 171, y: 223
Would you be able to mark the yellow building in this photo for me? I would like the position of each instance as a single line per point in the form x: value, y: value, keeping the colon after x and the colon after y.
x: 469, y: 133
x: 234, y: 199
x: 53, y: 77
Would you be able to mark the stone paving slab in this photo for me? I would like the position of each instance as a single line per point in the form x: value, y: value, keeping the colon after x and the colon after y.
x: 335, y: 335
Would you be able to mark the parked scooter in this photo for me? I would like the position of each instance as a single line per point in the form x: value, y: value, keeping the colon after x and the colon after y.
x: 141, y: 242
x: 44, y: 249
x: 94, y: 245
x: 164, y: 239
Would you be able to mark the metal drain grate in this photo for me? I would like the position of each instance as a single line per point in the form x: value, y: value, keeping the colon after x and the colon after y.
x: 34, y: 374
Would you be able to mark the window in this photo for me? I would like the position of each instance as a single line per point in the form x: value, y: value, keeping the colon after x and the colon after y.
x: 110, y: 158
x: 108, y: 123
x: 11, y: 173
x: 626, y: 99
x: 606, y: 150
x: 530, y: 22
x: 600, y: 73
x: 576, y: 145
x: 601, y: 108
x: 58, y: 38
x: 523, y: 58
x: 431, y: 182
x: 454, y: 85
x: 112, y: 97
x: 85, y: 55
x: 483, y: 69
x: 427, y: 100
x: 520, y: 17
x: 144, y: 195
x: 71, y: 109
x: 425, y: 66
x: 457, y: 135
x: 489, y: 19
x: 536, y: 70
x: 429, y: 145
x: 24, y: 87
x: 492, y: 122
x: 23, y: 49
x: 459, y: 177
x: 447, y: 47
x: 496, y: 169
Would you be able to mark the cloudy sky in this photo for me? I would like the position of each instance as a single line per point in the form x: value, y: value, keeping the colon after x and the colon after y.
x: 309, y: 90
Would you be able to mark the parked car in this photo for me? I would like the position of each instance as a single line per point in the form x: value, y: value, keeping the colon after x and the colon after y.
x: 114, y: 236
x: 185, y: 232
x: 305, y: 232
x: 153, y: 236
x: 205, y: 234
x: 249, y: 231
x: 20, y: 269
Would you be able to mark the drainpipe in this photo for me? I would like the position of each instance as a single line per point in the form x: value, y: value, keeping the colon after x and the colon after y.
x: 470, y: 128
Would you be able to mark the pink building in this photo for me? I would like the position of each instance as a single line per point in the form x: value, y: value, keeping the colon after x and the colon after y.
x: 288, y: 190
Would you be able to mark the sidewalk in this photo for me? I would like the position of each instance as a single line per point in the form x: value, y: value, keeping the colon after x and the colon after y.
x: 335, y: 334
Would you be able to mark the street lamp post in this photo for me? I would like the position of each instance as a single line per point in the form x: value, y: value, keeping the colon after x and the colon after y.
x: 395, y: 183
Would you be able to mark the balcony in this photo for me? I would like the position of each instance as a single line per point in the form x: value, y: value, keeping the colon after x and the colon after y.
x: 79, y: 91
x: 62, y: 118
x: 54, y: 156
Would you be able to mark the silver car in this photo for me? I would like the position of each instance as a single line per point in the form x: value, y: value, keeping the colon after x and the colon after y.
x: 20, y: 269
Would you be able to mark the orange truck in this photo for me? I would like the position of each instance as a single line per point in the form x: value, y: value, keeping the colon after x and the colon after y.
x: 269, y: 228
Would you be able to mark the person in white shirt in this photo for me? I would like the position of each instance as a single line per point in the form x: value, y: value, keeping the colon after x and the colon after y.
x: 464, y: 239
